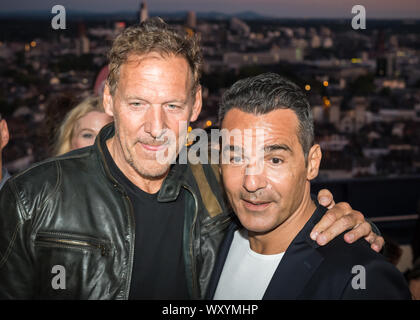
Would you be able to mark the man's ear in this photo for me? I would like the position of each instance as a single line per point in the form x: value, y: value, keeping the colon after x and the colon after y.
x: 314, y: 161
x: 108, y: 101
x: 4, y: 134
x: 198, y: 102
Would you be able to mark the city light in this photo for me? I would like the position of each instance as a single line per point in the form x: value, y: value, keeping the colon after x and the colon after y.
x: 33, y: 44
x: 325, y: 83
x: 327, y: 102
x: 208, y: 123
x: 307, y: 87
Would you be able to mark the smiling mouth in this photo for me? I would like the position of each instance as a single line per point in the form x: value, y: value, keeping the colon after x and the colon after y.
x: 151, y: 147
x: 256, y: 205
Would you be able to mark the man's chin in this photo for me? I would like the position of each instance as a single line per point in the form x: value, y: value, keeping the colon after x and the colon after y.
x: 254, y: 225
x: 153, y: 171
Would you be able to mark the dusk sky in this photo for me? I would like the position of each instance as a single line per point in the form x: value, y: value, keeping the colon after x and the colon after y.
x: 277, y: 8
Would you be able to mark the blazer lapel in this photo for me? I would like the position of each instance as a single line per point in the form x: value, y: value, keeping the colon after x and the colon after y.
x: 298, y: 264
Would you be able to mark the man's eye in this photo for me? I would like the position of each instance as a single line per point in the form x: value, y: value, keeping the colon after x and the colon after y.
x: 172, y: 106
x: 236, y: 160
x: 136, y: 104
x: 276, y: 160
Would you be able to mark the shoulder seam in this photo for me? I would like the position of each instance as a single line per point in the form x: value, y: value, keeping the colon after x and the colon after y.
x: 54, y: 191
x: 47, y: 161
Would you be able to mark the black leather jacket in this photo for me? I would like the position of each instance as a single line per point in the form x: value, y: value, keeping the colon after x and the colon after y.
x: 70, y: 211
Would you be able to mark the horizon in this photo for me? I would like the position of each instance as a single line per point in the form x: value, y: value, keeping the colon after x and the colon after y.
x: 75, y: 12
x: 302, y: 9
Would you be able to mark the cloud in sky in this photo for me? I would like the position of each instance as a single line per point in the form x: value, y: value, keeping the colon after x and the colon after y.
x: 278, y: 8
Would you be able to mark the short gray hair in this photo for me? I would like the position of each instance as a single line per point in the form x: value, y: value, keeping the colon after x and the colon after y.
x: 154, y: 35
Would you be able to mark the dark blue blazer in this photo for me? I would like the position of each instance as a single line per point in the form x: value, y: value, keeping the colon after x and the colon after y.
x: 309, y: 271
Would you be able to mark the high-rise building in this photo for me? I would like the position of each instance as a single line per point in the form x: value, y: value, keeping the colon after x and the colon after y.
x: 144, y: 14
x: 191, y: 20
x: 82, y: 42
x: 386, y: 65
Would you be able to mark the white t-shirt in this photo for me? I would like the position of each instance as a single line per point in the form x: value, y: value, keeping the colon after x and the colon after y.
x: 246, y: 274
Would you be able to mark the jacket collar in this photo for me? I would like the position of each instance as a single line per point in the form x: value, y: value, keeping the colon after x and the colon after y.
x: 298, y: 264
x: 296, y: 268
x: 172, y: 184
x: 4, y: 176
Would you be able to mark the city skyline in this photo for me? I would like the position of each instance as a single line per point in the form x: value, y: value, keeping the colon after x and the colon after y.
x: 282, y: 9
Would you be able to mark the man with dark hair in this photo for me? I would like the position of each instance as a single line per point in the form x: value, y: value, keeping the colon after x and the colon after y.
x: 4, y: 139
x: 120, y: 223
x: 268, y: 252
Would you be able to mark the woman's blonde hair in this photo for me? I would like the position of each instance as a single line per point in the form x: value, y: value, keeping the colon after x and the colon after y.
x: 65, y: 132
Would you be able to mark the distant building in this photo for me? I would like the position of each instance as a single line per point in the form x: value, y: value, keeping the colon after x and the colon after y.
x: 386, y: 65
x: 334, y: 115
x: 239, y: 26
x: 143, y: 14
x: 191, y: 20
x: 417, y: 111
x: 360, y: 117
x: 236, y: 60
x: 82, y: 43
x: 390, y: 83
x: 391, y: 115
x: 327, y: 42
x: 315, y: 41
x: 317, y: 114
x: 347, y: 123
x: 119, y: 26
x: 301, y: 32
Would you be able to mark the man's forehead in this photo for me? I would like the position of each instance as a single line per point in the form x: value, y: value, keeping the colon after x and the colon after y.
x: 167, y: 62
x: 278, y: 124
x: 152, y: 71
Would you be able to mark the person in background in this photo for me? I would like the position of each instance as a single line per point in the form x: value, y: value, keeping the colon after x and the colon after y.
x: 392, y: 250
x: 56, y: 109
x: 81, y: 126
x: 4, y: 139
x: 413, y: 279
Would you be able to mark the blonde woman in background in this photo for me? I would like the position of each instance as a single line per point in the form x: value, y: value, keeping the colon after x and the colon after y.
x: 81, y: 126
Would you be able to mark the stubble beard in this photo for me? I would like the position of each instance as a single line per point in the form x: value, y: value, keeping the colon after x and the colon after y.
x: 158, y: 172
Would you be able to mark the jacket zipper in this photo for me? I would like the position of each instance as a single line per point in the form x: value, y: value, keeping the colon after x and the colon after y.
x: 131, y: 221
x: 193, y: 270
x: 76, y: 243
x: 131, y: 256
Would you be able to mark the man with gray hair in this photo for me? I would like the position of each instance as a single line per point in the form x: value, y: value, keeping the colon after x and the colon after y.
x: 4, y: 139
x: 110, y: 221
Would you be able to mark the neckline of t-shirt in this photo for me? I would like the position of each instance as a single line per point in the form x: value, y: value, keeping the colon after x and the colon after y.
x: 243, y: 236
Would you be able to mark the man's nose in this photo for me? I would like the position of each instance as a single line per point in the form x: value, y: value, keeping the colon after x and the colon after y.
x: 154, y: 124
x: 254, y: 178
